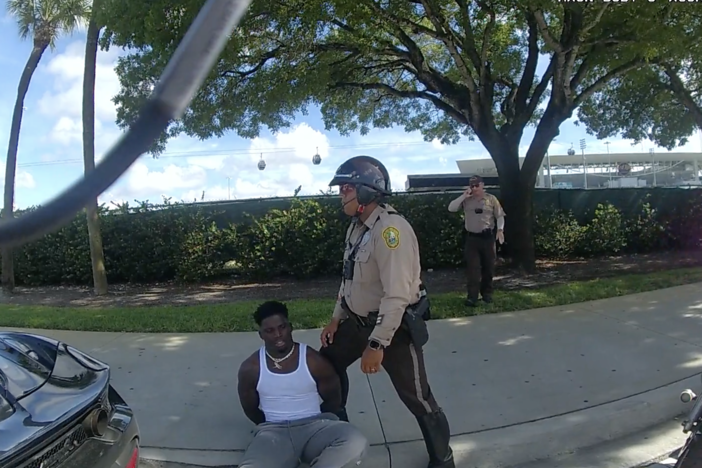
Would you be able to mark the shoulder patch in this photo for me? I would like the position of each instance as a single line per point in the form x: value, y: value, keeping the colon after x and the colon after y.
x: 391, y: 236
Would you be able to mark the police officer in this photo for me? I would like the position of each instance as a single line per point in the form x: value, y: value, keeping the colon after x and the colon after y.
x: 482, y: 213
x: 381, y: 305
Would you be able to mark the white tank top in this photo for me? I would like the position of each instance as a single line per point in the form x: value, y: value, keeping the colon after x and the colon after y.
x: 287, y: 397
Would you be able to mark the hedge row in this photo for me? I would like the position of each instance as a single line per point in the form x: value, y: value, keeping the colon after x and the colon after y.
x: 152, y: 243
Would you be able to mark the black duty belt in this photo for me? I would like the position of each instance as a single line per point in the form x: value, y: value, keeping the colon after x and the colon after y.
x: 485, y: 234
x: 413, y: 320
x: 364, y: 322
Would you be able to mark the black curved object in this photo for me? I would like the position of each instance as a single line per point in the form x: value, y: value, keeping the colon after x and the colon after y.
x: 185, y: 73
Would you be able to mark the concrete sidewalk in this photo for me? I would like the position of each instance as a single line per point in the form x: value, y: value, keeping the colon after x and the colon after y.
x: 517, y: 387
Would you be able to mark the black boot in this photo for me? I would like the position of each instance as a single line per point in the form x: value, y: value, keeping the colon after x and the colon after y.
x: 436, y: 432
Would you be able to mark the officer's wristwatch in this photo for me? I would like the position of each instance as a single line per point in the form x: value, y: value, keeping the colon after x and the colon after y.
x: 375, y: 345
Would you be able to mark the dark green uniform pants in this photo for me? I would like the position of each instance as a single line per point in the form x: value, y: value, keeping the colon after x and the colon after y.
x: 404, y: 363
x: 480, y: 253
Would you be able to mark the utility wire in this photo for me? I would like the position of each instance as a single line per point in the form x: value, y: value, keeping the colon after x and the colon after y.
x: 220, y: 153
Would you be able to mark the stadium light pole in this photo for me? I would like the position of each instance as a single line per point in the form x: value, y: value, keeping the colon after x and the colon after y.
x: 583, y: 145
x: 609, y: 163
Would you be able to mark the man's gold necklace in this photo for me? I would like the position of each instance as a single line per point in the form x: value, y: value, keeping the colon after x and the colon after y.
x: 277, y: 361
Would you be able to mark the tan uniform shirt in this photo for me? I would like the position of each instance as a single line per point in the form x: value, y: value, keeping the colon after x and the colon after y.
x: 386, y: 272
x: 478, y: 222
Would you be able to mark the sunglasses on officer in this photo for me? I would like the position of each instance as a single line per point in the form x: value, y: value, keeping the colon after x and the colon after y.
x: 346, y: 188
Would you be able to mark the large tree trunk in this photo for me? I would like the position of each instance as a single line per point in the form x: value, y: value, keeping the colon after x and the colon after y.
x: 519, y: 233
x: 97, y: 256
x: 517, y: 185
x: 516, y: 198
x: 8, y: 264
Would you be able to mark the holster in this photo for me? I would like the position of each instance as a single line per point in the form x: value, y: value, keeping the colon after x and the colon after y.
x: 414, y: 319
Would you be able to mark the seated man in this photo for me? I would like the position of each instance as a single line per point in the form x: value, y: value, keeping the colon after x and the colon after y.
x: 280, y: 387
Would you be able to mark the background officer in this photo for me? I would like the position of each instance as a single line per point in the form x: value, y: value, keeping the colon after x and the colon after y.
x: 482, y: 213
x: 380, y: 290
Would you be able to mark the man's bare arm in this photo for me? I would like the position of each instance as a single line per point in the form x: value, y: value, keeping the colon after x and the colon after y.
x: 328, y: 384
x: 248, y: 395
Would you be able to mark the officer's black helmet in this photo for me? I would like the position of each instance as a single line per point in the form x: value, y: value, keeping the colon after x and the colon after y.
x: 368, y: 175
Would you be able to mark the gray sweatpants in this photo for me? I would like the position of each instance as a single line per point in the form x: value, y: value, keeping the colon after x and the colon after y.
x: 321, y: 441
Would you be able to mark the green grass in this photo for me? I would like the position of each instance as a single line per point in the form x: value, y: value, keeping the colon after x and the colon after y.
x: 313, y: 313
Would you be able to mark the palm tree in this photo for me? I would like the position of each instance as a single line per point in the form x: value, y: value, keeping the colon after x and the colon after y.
x: 45, y: 21
x: 97, y: 255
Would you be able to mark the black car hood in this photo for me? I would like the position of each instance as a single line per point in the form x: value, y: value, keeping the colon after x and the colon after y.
x: 44, y: 384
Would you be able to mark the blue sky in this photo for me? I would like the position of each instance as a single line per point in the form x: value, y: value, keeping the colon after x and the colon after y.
x: 50, y: 149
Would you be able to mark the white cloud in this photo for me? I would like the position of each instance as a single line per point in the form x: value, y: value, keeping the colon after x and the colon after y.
x: 62, y: 101
x: 297, y: 145
x: 65, y: 100
x: 140, y: 182
x: 67, y: 131
x: 24, y: 180
x: 212, y: 162
x: 288, y: 156
x: 279, y: 182
x: 215, y: 193
x: 437, y: 144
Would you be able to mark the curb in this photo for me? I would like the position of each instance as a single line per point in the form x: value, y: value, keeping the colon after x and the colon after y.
x: 505, y: 447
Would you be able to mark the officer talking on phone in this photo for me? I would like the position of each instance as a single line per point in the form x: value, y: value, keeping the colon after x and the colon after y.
x: 483, y: 213
x: 382, y: 306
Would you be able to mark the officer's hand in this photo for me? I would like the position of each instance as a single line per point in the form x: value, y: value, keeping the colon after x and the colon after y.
x: 371, y: 360
x: 468, y: 192
x: 500, y: 237
x: 328, y: 333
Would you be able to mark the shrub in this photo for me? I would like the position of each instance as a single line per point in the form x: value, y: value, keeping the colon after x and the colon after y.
x: 173, y: 241
x: 557, y: 234
x: 605, y: 233
x: 439, y: 232
x: 205, y: 252
x: 144, y: 243
x: 302, y: 241
x: 645, y: 231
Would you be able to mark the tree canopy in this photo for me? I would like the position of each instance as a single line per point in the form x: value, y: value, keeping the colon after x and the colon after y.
x: 446, y: 68
x: 663, y: 101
